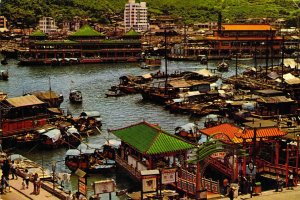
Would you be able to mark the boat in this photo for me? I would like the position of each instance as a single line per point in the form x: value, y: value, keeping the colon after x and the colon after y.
x: 92, y: 158
x: 4, y: 75
x: 71, y: 136
x: 4, y: 61
x: 223, y: 67
x: 75, y: 96
x: 151, y: 62
x: 51, y: 139
x: 203, y: 59
x: 189, y: 131
x: 241, y: 56
x: 114, y: 93
x: 88, y: 123
x: 29, y: 138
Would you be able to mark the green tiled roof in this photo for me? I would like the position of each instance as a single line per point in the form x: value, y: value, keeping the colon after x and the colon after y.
x: 132, y: 32
x: 37, y: 33
x: 86, y: 31
x: 149, y: 139
x: 63, y: 42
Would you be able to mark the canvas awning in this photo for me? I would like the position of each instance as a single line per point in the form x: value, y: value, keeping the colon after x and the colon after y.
x: 28, y: 100
x: 90, y: 114
x: 147, y: 76
x: 204, y: 72
x: 179, y: 84
x: 289, y: 62
x: 45, y: 94
x: 54, y: 134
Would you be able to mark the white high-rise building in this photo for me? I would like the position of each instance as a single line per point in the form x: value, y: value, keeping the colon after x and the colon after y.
x: 47, y: 25
x: 135, y: 16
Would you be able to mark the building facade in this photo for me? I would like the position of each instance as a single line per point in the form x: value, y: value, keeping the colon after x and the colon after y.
x: 3, y: 24
x: 47, y: 25
x: 135, y: 16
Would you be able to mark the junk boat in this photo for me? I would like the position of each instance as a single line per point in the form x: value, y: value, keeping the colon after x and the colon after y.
x: 92, y: 158
x: 75, y: 96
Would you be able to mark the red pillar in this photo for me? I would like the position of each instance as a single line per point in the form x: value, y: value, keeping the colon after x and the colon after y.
x: 287, y: 165
x: 244, y: 163
x: 276, y: 154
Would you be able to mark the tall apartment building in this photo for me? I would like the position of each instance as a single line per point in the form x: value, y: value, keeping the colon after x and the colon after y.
x: 3, y: 24
x: 47, y: 25
x: 135, y: 16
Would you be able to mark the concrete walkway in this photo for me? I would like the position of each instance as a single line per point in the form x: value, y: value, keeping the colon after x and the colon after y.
x: 272, y: 195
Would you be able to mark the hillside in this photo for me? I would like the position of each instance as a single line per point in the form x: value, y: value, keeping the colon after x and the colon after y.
x: 29, y: 11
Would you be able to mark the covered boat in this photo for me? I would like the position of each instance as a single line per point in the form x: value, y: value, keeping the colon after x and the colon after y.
x: 189, y: 131
x: 75, y: 96
x: 88, y: 123
x: 223, y: 67
x: 52, y: 138
x: 71, y: 136
x: 91, y: 158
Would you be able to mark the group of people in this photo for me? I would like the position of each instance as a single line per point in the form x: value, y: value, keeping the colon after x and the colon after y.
x: 35, y: 180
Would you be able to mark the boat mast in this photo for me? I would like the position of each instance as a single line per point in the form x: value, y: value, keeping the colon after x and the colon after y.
x: 267, y: 56
x: 282, y: 59
x: 166, y: 63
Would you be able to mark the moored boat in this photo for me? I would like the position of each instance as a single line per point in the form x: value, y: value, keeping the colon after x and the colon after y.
x: 223, y: 67
x: 52, y: 139
x: 75, y: 96
x: 91, y: 158
x: 4, y: 75
x: 189, y: 132
x: 151, y: 62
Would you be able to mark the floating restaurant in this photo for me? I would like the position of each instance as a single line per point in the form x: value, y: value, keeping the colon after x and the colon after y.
x: 145, y: 146
x: 84, y: 46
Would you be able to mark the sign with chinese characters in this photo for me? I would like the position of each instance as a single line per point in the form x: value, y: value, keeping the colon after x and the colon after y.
x: 149, y: 183
x: 82, y: 187
x: 168, y: 176
x: 105, y: 186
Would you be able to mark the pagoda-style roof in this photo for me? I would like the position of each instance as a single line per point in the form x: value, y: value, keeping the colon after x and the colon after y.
x: 247, y: 27
x: 131, y: 33
x: 150, y: 139
x: 87, y: 31
x: 37, y: 33
x: 237, y: 134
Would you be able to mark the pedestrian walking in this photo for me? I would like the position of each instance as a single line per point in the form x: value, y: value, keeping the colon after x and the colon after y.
x: 290, y: 181
x: 6, y: 169
x: 4, y: 184
x: 35, y: 181
x: 26, y: 178
x: 13, y: 170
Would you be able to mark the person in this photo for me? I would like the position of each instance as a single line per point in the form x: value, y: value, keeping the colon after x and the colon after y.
x: 70, y: 196
x: 13, y: 170
x: 6, y: 169
x: 231, y: 193
x: 26, y: 178
x: 35, y: 182
x: 4, y: 184
x: 290, y: 181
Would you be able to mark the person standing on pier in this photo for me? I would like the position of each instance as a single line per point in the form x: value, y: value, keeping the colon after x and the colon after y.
x: 13, y: 170
x: 6, y: 169
x: 26, y: 178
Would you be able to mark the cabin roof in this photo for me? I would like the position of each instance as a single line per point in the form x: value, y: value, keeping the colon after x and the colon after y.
x: 275, y: 100
x: 86, y: 31
x: 45, y: 94
x: 247, y: 27
x: 28, y: 100
x: 261, y: 132
x: 150, y: 139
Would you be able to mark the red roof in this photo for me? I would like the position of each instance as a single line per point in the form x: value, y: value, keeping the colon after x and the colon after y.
x: 261, y: 133
x: 226, y: 129
x: 247, y: 27
x: 237, y: 134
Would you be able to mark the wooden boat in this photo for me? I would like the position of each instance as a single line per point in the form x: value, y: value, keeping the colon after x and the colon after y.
x: 151, y: 62
x: 114, y: 92
x: 88, y: 123
x: 91, y: 159
x: 28, y: 139
x: 203, y: 59
x: 4, y: 75
x: 75, y: 96
x: 189, y: 132
x: 223, y: 67
x: 71, y: 136
x: 52, y: 139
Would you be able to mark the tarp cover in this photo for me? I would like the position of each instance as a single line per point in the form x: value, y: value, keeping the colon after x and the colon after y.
x: 204, y: 72
x: 45, y: 94
x: 28, y: 100
x: 54, y: 134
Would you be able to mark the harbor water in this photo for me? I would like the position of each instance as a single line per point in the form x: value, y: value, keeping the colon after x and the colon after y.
x: 93, y: 81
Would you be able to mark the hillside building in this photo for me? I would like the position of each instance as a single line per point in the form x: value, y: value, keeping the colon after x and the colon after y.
x: 3, y: 24
x: 135, y: 16
x: 47, y: 25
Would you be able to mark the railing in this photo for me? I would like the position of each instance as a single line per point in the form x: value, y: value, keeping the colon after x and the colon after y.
x: 220, y: 166
x: 187, y: 182
x: 265, y: 166
x: 135, y: 173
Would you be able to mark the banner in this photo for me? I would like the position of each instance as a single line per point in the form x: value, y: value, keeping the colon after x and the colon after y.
x: 149, y: 183
x: 168, y: 176
x: 106, y: 186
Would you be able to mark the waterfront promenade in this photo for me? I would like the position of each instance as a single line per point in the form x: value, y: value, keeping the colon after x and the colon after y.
x: 17, y: 192
x: 272, y: 195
